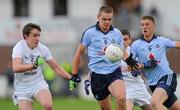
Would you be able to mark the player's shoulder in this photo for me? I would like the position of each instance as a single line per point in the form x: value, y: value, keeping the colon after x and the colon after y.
x: 41, y: 45
x: 20, y: 44
x: 116, y: 29
x: 136, y: 42
x: 163, y: 39
x: 159, y: 37
x: 90, y: 29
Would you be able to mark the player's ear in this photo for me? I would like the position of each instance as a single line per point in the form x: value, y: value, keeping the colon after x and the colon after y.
x: 130, y: 39
x: 98, y: 16
x: 25, y: 36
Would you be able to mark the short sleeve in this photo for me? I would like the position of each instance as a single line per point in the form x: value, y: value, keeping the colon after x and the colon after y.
x: 134, y: 50
x: 168, y: 42
x: 85, y: 40
x: 46, y: 53
x: 121, y: 40
x: 17, y: 51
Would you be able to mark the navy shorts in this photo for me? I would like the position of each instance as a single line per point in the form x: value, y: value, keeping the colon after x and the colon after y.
x: 100, y: 83
x: 169, y: 84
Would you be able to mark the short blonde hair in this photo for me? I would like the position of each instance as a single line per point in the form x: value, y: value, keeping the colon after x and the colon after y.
x: 106, y: 9
x: 149, y: 18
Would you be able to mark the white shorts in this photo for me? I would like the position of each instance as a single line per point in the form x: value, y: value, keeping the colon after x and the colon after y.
x: 29, y: 93
x: 136, y: 91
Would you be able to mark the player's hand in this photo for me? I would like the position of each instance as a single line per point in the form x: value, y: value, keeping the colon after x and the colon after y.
x: 136, y: 73
x: 39, y: 61
x: 151, y: 63
x: 86, y: 86
x: 132, y: 62
x: 73, y: 82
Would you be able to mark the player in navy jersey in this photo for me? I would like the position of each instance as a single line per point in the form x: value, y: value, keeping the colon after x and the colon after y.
x: 106, y: 77
x: 151, y: 52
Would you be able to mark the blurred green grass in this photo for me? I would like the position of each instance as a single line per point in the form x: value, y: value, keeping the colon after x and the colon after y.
x: 59, y: 103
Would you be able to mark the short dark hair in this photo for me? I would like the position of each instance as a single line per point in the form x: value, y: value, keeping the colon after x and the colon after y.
x: 28, y: 27
x: 125, y: 32
x: 148, y: 17
x: 106, y: 9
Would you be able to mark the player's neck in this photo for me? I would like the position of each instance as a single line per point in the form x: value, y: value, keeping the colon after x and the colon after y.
x: 29, y: 45
x: 105, y: 30
x: 148, y: 38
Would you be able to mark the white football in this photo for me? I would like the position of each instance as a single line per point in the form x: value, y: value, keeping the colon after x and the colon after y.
x: 114, y: 52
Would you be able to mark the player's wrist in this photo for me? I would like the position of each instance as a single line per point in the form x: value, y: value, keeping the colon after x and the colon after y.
x: 142, y: 65
x: 31, y: 66
x: 34, y: 66
x: 75, y: 78
x: 146, y: 65
x: 73, y: 75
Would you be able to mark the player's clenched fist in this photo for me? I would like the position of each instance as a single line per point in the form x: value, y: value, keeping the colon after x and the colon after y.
x: 38, y: 62
x: 73, y: 82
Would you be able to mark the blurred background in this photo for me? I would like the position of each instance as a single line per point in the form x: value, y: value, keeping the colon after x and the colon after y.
x: 63, y: 22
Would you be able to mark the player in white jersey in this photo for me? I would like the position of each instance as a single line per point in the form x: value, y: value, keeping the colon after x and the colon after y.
x: 27, y: 57
x: 136, y: 90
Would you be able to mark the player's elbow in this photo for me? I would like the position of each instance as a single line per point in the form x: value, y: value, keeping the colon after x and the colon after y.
x: 15, y: 71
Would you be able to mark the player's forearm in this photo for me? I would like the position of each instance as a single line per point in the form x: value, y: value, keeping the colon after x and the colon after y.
x: 125, y: 55
x: 20, y: 68
x: 76, y: 63
x: 61, y: 72
x: 58, y: 69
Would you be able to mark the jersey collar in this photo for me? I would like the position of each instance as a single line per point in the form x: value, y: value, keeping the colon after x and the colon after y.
x: 154, y: 36
x: 98, y: 28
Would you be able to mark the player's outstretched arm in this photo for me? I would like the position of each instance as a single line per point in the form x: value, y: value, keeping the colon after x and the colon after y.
x: 58, y: 69
x: 73, y: 79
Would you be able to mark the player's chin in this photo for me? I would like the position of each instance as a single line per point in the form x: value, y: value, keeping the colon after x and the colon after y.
x: 107, y: 26
x: 35, y: 44
x: 145, y: 33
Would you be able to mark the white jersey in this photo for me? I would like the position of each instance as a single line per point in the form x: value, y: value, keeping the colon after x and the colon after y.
x: 136, y: 89
x: 28, y: 55
x: 126, y: 73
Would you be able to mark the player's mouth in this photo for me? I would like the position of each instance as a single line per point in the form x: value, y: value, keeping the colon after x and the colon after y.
x: 144, y: 31
x: 105, y: 25
x: 36, y: 42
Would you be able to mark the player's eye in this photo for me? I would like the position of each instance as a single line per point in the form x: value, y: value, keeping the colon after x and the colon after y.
x: 104, y: 19
x: 125, y: 39
x: 35, y: 35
